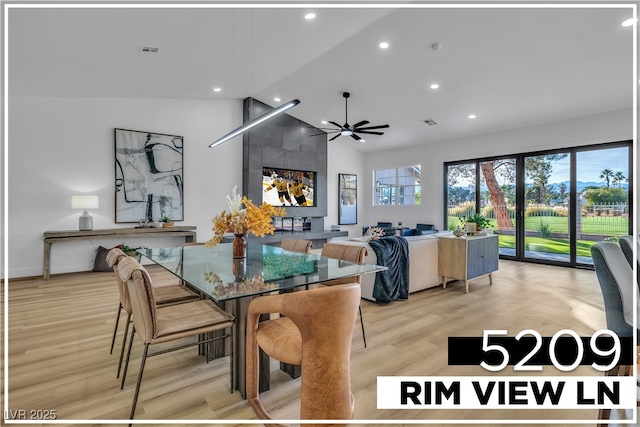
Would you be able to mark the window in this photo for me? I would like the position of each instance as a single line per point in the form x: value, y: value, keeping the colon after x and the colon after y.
x: 547, y: 206
x: 397, y: 186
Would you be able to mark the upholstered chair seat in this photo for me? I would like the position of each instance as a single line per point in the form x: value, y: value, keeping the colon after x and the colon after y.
x: 316, y: 333
x: 164, y: 295
x: 281, y: 337
x: 296, y: 245
x: 349, y: 253
x: 156, y: 325
x: 621, y: 304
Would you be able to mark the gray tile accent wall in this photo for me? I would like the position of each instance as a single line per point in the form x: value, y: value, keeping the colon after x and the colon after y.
x: 284, y: 142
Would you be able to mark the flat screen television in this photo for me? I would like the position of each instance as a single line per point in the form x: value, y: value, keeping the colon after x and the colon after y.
x: 288, y: 187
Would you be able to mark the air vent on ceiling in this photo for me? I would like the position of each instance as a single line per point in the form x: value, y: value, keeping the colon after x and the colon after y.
x: 148, y: 49
x: 431, y: 122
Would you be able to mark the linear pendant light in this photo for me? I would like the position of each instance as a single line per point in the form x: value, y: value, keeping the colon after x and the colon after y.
x: 255, y: 122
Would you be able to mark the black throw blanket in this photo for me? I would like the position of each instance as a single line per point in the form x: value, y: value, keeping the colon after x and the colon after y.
x: 391, y: 284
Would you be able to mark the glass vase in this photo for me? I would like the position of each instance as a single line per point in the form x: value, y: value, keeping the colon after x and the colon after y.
x: 239, y: 247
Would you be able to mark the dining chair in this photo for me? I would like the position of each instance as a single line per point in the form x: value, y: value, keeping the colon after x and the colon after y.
x: 316, y: 333
x: 626, y: 244
x: 615, y: 277
x: 164, y: 295
x: 296, y: 245
x: 156, y: 325
x: 346, y: 253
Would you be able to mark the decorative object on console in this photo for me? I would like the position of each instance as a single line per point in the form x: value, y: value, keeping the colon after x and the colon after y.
x: 242, y: 221
x: 475, y: 223
x: 149, y: 176
x: 245, y: 127
x: 458, y: 232
x: 348, y: 200
x: 166, y: 221
x: 84, y: 202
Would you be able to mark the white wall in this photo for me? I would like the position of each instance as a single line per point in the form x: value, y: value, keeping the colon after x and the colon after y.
x: 344, y: 159
x: 64, y: 146
x: 608, y: 127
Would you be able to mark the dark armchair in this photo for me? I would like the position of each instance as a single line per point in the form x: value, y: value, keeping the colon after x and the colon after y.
x: 421, y: 229
x: 387, y: 227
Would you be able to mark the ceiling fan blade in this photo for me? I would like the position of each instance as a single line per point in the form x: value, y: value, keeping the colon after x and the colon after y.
x: 356, y: 137
x: 370, y: 132
x: 364, y: 122
x: 337, y: 135
x: 336, y: 125
x: 374, y: 127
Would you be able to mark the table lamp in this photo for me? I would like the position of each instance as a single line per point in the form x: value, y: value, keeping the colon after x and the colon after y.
x: 84, y: 201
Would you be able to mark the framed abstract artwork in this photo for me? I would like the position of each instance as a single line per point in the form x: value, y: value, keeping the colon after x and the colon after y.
x: 149, y: 176
x: 348, y: 199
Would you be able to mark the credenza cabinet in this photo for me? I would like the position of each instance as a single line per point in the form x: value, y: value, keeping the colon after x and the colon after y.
x: 467, y: 257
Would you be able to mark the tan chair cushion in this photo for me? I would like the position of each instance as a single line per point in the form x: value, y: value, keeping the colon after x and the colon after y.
x: 354, y: 254
x: 296, y: 245
x: 186, y: 319
x: 281, y: 339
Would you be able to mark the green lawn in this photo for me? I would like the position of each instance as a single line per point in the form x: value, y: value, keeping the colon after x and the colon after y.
x: 554, y: 246
x: 600, y: 225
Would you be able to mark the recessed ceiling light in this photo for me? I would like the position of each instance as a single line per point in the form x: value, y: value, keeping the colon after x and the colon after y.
x: 472, y: 116
x: 217, y: 89
x: 362, y: 140
x: 277, y: 99
x: 384, y: 45
x: 324, y: 122
x: 310, y: 15
x: 434, y: 86
x: 629, y: 22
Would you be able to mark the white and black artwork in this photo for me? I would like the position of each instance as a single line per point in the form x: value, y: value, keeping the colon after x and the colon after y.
x: 149, y: 176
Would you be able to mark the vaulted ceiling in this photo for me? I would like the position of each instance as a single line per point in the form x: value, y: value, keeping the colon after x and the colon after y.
x: 510, y: 66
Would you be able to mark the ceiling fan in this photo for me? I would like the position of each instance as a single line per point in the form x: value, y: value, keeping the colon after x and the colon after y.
x: 348, y: 130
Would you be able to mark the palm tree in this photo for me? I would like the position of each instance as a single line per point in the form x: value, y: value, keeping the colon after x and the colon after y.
x: 618, y: 177
x: 606, y: 174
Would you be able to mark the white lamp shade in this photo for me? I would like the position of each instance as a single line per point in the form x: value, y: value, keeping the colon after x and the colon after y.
x: 84, y: 201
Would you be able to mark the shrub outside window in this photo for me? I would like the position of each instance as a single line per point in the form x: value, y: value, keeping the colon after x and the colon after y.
x: 397, y: 186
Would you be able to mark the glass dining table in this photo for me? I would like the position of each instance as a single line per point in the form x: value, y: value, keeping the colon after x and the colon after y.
x: 232, y: 283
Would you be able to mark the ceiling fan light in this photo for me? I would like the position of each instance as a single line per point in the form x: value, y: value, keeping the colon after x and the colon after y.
x: 629, y: 22
x: 346, y: 133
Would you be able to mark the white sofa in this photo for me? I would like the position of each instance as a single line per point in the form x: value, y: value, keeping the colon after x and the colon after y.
x: 423, y: 262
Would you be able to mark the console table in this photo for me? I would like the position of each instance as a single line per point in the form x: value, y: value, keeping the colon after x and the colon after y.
x: 51, y: 237
x: 464, y: 258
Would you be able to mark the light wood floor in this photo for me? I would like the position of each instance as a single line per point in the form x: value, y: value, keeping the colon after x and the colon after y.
x: 60, y: 331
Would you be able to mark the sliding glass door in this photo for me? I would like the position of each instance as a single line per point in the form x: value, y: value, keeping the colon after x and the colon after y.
x: 546, y: 210
x: 547, y: 207
x: 603, y: 198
